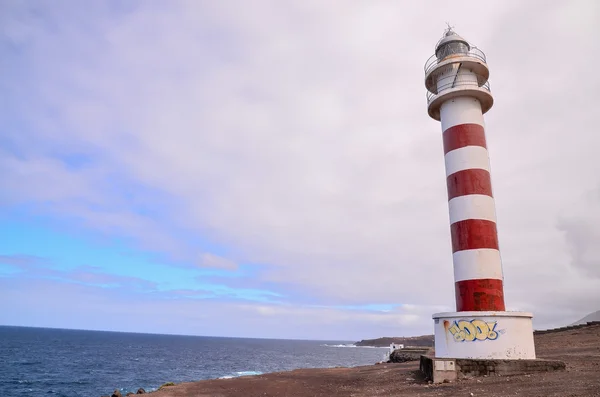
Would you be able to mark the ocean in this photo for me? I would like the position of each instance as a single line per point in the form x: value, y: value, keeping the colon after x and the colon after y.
x: 73, y: 363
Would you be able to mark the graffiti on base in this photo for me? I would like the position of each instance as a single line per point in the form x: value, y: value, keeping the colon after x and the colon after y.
x: 473, y: 330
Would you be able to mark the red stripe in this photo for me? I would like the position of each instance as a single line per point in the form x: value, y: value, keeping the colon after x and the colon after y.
x: 463, y: 135
x: 473, y: 234
x: 471, y: 181
x: 479, y: 295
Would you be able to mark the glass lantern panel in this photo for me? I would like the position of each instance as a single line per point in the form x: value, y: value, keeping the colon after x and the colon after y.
x: 454, y: 47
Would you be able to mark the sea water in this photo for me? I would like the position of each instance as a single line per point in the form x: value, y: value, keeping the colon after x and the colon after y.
x: 73, y: 363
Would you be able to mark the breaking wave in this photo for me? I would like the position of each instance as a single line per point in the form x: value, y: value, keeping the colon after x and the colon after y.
x: 353, y: 345
x: 241, y: 373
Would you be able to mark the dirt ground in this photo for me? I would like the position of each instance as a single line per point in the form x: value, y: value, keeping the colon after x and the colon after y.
x: 579, y: 349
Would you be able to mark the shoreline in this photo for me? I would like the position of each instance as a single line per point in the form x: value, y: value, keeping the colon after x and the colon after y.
x: 125, y: 391
x: 577, y: 347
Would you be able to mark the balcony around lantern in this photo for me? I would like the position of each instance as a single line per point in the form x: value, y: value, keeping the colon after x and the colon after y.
x: 472, y: 59
x: 473, y: 52
x: 453, y: 83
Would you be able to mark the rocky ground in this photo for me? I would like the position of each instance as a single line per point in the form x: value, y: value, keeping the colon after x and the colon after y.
x: 579, y: 348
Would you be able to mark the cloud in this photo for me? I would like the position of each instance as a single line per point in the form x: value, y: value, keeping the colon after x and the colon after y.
x: 84, y: 306
x: 22, y: 261
x: 295, y: 137
x: 91, y: 275
x: 211, y: 260
x: 580, y: 227
x: 35, y: 268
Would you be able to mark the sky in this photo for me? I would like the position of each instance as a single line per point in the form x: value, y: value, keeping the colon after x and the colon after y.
x: 268, y: 169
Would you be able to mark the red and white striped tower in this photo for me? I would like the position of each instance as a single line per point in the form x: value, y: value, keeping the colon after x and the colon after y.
x: 456, y: 77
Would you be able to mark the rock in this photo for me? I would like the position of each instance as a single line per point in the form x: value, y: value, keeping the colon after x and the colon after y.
x: 168, y: 384
x: 398, y: 356
x: 116, y: 393
x: 130, y: 394
x: 141, y: 391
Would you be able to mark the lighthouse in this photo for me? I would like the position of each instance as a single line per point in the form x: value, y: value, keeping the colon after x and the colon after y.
x: 458, y: 95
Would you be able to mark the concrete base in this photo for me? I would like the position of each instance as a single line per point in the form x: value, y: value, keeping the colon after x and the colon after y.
x: 448, y: 370
x: 484, y: 335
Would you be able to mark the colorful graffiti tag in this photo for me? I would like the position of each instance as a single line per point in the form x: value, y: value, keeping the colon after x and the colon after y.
x: 473, y: 330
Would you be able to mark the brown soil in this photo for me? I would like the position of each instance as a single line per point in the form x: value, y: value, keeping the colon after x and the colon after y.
x: 579, y: 349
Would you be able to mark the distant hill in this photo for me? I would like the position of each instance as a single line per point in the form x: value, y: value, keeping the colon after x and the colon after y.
x: 595, y: 316
x: 423, y: 340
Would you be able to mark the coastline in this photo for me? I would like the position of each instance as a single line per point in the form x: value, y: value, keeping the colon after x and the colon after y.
x: 413, y: 341
x: 578, y: 348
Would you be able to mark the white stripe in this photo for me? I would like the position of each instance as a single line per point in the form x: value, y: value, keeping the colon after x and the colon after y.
x: 472, y: 206
x: 477, y: 264
x: 461, y: 110
x: 466, y: 158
